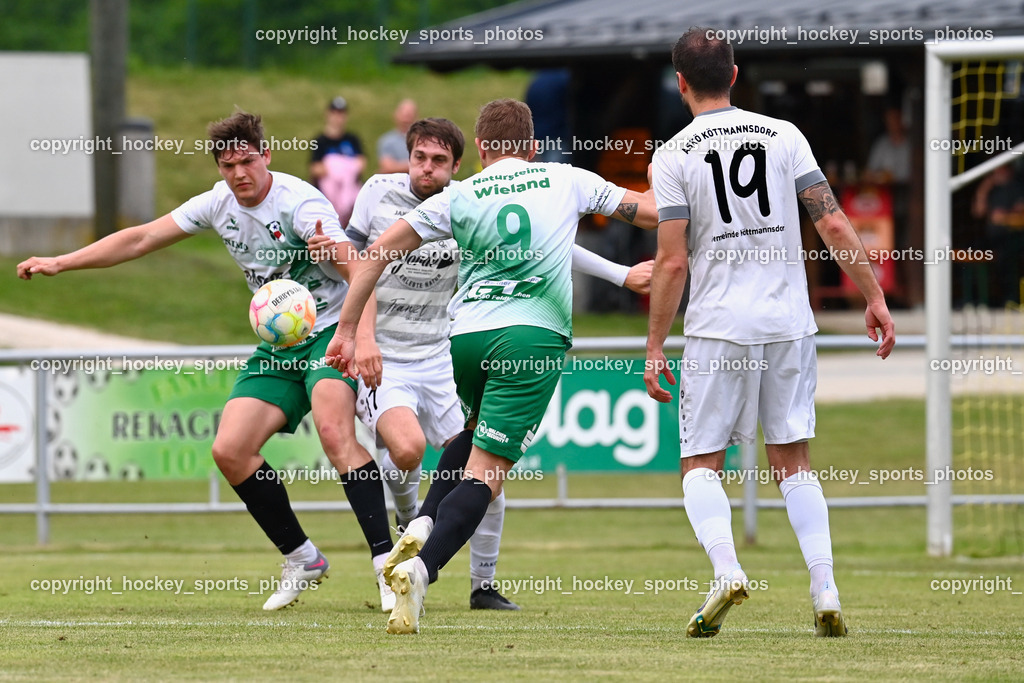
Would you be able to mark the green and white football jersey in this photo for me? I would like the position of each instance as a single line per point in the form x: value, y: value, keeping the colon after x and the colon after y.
x: 268, y: 241
x: 515, y: 223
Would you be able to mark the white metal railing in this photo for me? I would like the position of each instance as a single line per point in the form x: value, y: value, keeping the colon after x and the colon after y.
x: 43, y: 507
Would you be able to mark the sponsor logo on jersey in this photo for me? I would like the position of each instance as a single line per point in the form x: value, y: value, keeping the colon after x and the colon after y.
x: 256, y: 280
x: 235, y: 245
x: 232, y: 224
x: 423, y: 268
x: 502, y: 290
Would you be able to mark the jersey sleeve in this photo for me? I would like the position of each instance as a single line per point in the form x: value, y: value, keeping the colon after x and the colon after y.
x: 805, y: 168
x: 312, y: 209
x: 194, y: 216
x: 669, y: 193
x: 358, y: 228
x: 594, y: 194
x: 584, y: 261
x: 432, y: 219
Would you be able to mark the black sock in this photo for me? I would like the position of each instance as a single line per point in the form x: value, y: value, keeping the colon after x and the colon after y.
x: 364, y: 489
x: 458, y: 517
x: 266, y: 499
x: 449, y: 472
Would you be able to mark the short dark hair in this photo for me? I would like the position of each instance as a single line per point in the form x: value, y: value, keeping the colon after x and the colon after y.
x: 705, y: 61
x: 443, y: 131
x: 506, y: 126
x: 229, y: 134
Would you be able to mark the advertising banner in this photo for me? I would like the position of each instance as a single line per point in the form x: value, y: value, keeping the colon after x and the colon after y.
x: 155, y: 418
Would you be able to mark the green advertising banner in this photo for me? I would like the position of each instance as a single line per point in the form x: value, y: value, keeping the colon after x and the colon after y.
x: 156, y: 419
x: 601, y: 419
x: 158, y: 423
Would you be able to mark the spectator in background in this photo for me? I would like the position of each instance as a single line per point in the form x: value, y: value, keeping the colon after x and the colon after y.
x: 392, y: 152
x: 548, y: 99
x: 999, y: 200
x: 889, y: 160
x: 338, y: 161
x: 889, y: 165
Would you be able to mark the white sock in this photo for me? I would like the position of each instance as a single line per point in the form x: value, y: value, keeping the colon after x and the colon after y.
x: 708, y: 509
x: 483, y: 545
x: 404, y: 485
x: 808, y: 515
x: 378, y: 561
x: 303, y: 554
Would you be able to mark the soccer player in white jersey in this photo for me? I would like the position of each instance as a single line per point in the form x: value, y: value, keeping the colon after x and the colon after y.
x: 265, y: 220
x: 728, y: 188
x: 416, y: 402
x: 515, y: 224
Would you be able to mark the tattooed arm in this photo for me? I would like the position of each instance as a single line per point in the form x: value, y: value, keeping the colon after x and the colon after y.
x: 639, y: 209
x: 848, y: 251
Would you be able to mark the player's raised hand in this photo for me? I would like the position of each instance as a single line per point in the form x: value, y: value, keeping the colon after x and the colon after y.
x: 37, y: 264
x: 639, y: 277
x: 369, y: 362
x: 341, y: 352
x: 320, y: 246
x: 655, y: 366
x: 877, y: 317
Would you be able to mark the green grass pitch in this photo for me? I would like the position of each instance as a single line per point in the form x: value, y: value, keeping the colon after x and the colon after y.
x: 586, y: 581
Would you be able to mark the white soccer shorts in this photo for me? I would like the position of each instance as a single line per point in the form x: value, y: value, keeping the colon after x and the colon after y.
x: 725, y: 389
x: 427, y: 387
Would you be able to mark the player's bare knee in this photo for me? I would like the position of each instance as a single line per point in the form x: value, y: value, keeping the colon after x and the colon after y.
x: 233, y: 459
x: 334, y: 439
x: 342, y: 449
x: 226, y: 454
x: 408, y: 453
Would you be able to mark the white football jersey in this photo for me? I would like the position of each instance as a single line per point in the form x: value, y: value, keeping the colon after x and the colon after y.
x: 412, y: 292
x: 735, y: 176
x: 268, y: 242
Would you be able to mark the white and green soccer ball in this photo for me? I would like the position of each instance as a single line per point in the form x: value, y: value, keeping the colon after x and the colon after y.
x: 282, y: 312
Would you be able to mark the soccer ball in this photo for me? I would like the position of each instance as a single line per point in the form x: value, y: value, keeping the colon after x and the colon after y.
x: 282, y: 312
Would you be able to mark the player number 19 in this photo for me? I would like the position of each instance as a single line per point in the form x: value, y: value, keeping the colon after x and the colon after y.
x: 758, y: 179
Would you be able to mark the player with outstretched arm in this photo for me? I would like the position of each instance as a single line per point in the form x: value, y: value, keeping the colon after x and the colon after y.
x: 515, y: 224
x: 733, y: 181
x: 416, y: 402
x: 265, y: 219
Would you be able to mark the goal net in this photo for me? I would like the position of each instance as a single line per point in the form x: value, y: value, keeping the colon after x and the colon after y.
x: 974, y: 240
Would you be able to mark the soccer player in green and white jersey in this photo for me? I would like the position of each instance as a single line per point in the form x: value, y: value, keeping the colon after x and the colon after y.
x: 265, y: 220
x: 416, y: 401
x: 515, y: 224
x: 730, y: 184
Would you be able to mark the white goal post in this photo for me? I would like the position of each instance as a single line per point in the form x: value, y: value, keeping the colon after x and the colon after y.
x: 939, y: 187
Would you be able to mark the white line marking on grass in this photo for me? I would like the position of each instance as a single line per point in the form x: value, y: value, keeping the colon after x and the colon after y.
x: 509, y: 628
x: 167, y: 623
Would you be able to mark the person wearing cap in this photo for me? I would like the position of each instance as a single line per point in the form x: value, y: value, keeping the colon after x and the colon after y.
x: 338, y: 161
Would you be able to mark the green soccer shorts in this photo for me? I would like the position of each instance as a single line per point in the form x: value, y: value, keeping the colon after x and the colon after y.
x: 285, y: 377
x: 505, y: 378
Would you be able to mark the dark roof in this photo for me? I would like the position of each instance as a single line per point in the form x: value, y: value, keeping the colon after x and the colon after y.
x: 536, y: 32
